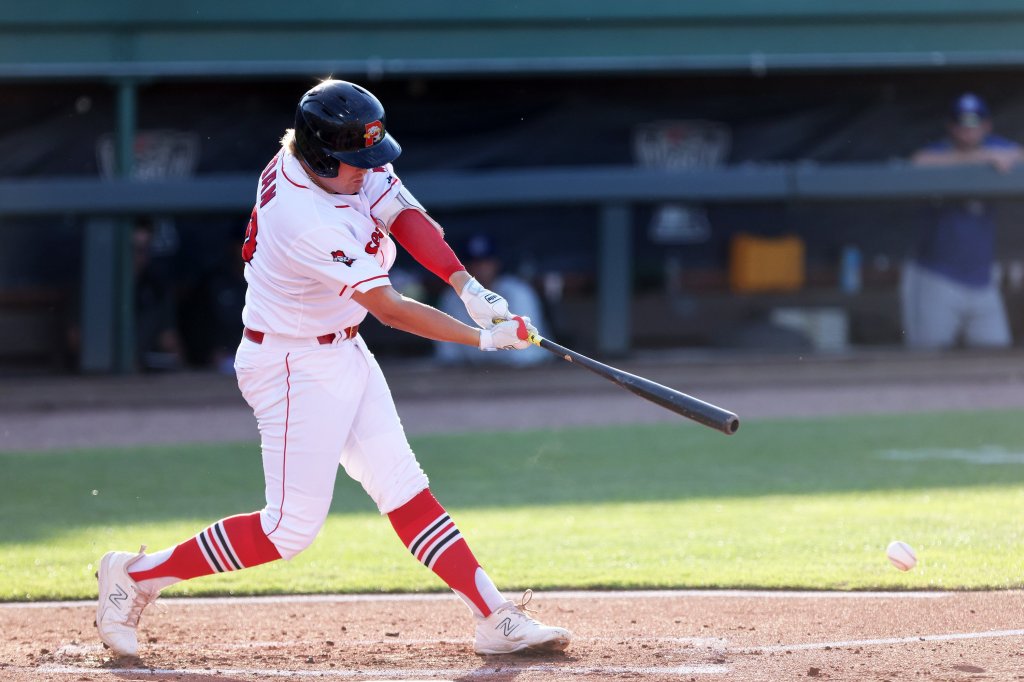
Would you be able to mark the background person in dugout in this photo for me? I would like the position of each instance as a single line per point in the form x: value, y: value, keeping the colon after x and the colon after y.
x: 484, y: 261
x: 317, y: 252
x: 949, y: 291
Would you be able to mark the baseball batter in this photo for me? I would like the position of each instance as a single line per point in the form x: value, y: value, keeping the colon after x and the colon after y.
x: 321, y: 239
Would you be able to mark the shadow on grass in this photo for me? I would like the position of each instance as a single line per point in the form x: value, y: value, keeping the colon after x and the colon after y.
x: 56, y: 492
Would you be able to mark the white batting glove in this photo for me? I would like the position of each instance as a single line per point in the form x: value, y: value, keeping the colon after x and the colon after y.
x: 483, y: 305
x: 511, y: 334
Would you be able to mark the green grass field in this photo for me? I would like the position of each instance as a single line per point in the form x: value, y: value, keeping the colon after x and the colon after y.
x: 782, y: 504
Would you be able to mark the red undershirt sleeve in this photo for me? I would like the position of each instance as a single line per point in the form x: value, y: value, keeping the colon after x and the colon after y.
x: 422, y: 239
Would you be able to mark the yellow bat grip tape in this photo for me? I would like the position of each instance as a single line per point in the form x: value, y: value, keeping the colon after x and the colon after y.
x: 535, y: 339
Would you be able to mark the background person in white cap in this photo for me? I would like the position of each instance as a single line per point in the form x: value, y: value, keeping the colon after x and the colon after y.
x: 950, y: 295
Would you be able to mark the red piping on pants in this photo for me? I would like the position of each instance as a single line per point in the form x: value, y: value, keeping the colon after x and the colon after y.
x: 284, y: 455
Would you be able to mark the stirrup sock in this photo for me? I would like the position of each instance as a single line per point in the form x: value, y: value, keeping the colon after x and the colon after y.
x: 432, y: 537
x: 231, y: 544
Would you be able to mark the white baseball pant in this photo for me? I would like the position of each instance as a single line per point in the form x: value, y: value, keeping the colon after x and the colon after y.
x: 937, y: 311
x: 318, y: 406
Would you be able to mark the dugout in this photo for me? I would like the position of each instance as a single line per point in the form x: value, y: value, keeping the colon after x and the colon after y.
x: 617, y: 150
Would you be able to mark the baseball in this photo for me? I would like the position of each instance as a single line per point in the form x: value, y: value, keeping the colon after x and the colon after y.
x: 901, y: 555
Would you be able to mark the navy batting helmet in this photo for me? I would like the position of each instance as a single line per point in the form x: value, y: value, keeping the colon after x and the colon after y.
x: 338, y: 121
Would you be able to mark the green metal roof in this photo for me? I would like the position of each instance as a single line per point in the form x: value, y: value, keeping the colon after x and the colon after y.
x: 454, y: 37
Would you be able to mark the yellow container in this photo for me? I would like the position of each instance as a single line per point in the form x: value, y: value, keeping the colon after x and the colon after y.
x: 766, y: 264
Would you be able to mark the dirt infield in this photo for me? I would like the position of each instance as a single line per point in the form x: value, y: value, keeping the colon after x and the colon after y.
x: 644, y: 635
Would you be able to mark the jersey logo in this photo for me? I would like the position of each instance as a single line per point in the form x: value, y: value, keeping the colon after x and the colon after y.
x: 340, y: 257
x: 374, y: 133
x: 373, y: 245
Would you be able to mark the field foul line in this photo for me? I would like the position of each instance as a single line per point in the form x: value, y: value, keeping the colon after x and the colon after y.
x: 710, y: 642
x: 447, y: 596
x: 88, y: 649
x: 991, y: 634
x: 395, y: 674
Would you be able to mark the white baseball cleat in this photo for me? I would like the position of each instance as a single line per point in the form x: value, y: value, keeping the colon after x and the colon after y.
x: 510, y: 629
x: 121, y: 602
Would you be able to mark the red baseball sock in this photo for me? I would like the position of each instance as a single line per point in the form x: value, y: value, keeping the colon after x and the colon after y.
x: 229, y: 545
x: 430, y: 534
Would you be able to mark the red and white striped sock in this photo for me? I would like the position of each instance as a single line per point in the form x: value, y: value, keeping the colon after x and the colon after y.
x: 231, y: 544
x: 432, y: 537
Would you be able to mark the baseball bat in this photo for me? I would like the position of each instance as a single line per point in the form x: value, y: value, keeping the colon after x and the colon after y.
x: 669, y: 398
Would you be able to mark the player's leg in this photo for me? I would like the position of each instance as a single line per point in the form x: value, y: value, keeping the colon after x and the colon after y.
x: 301, y: 449
x: 304, y: 403
x: 302, y: 418
x: 129, y: 582
x: 909, y: 302
x: 936, y: 311
x: 987, y: 325
x: 377, y: 454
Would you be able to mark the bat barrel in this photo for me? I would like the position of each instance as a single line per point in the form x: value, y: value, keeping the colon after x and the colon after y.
x: 686, y: 405
x: 696, y: 409
x: 715, y: 417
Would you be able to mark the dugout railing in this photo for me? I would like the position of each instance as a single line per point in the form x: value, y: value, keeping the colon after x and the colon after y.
x: 108, y: 204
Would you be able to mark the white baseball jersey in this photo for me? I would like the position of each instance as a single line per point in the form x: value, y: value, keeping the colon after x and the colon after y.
x: 306, y: 250
x: 318, y: 405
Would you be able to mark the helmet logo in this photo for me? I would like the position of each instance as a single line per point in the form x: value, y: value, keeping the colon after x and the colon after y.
x: 374, y: 133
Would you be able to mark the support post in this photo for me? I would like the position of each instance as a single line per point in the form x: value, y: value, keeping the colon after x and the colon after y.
x: 97, y: 320
x: 126, y: 125
x: 615, y: 280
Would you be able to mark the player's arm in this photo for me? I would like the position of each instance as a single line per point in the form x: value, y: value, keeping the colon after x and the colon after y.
x: 1002, y: 158
x: 939, y: 158
x: 400, y: 312
x: 320, y: 254
x: 423, y: 238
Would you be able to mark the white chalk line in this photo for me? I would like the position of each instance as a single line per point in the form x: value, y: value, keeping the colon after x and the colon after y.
x: 394, y: 674
x: 89, y: 649
x: 986, y: 454
x: 990, y: 634
x: 447, y: 596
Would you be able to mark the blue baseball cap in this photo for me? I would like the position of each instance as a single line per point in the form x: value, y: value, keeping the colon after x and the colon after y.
x: 479, y: 246
x: 969, y: 110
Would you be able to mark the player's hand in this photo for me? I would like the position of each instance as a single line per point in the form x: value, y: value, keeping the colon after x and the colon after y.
x: 1003, y: 163
x: 511, y: 334
x: 483, y: 305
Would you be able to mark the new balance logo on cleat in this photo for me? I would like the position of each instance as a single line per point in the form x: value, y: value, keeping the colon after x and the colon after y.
x: 118, y: 597
x: 120, y: 603
x: 506, y: 626
x: 509, y: 629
